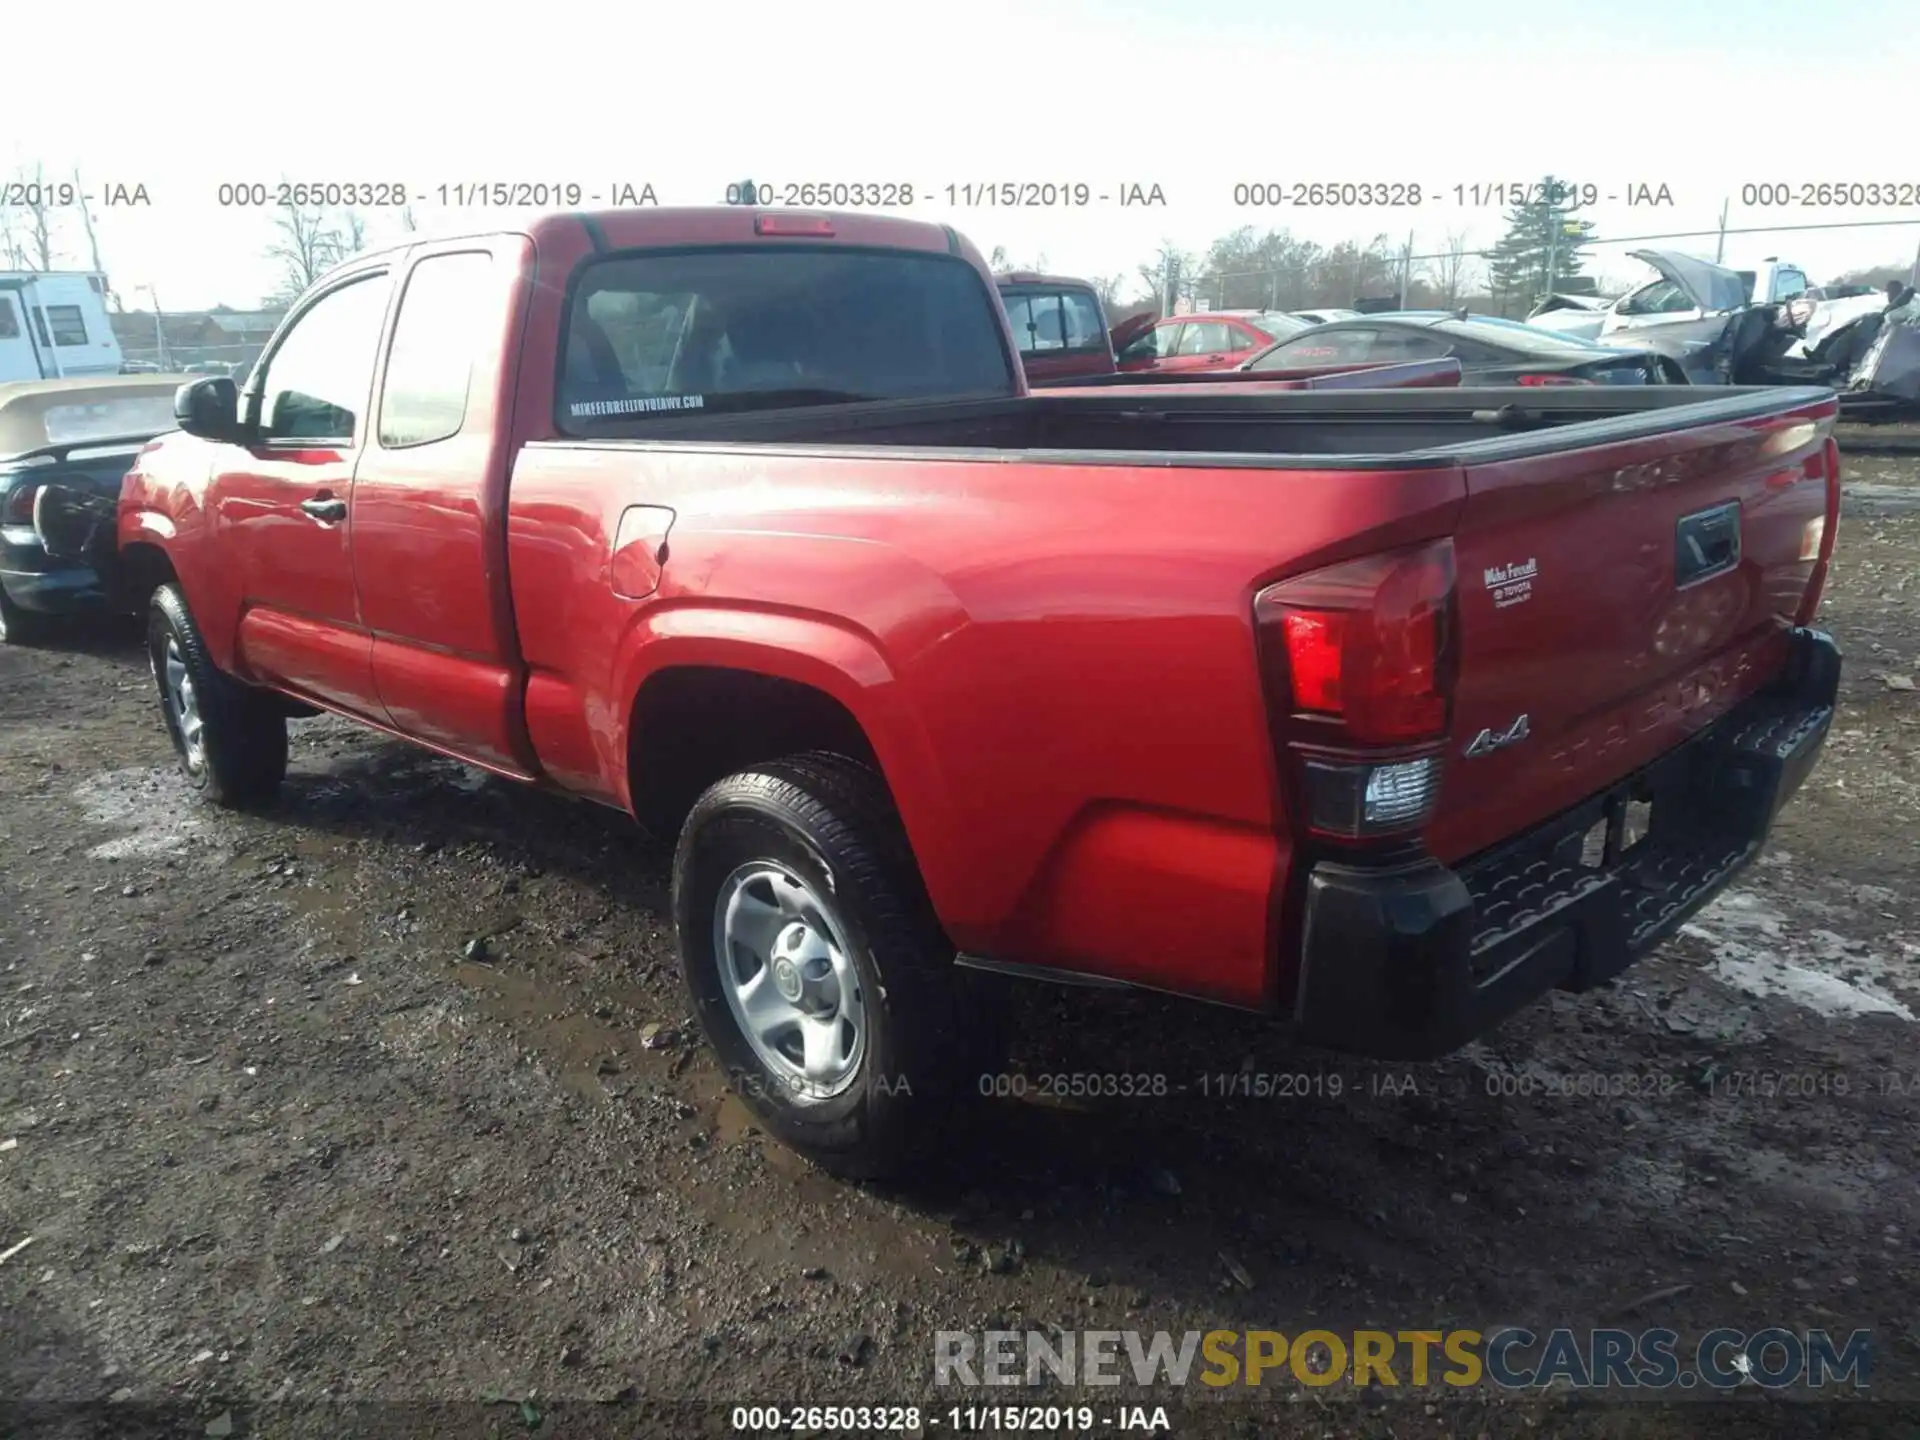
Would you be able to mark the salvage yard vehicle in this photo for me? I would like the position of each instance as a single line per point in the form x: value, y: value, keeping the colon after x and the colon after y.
x: 1383, y: 712
x: 64, y: 447
x: 1725, y: 327
x: 1580, y: 316
x: 1059, y: 326
x: 1215, y: 340
x: 54, y: 326
x: 1491, y: 352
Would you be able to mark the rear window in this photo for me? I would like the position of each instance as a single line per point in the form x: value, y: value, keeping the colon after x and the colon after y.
x: 1314, y: 348
x: 125, y: 417
x: 771, y: 326
x: 1055, y: 322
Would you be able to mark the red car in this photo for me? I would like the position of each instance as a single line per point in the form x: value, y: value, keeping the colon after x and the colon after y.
x: 1214, y: 340
x: 1382, y: 712
x: 1059, y: 327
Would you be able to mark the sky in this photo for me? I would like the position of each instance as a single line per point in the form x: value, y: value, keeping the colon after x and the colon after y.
x: 1193, y: 96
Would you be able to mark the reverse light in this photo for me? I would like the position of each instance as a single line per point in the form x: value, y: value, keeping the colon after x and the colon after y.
x: 1358, y: 802
x: 792, y: 225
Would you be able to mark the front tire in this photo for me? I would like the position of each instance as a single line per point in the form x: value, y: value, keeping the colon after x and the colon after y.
x: 817, y: 969
x: 231, y: 740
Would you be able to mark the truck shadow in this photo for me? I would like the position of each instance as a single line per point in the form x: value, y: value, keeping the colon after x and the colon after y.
x: 1165, y: 1151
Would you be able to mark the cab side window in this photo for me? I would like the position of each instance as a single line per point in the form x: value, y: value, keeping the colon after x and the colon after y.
x: 436, y: 337
x: 318, y: 379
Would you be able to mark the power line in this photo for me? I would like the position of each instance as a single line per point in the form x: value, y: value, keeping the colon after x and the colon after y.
x: 1615, y: 240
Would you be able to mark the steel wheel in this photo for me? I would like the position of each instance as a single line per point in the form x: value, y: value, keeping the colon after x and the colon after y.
x: 789, y: 980
x: 184, y: 702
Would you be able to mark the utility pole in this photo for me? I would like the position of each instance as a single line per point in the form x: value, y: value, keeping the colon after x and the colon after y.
x: 1406, y: 270
x: 1720, y: 250
x: 159, y: 331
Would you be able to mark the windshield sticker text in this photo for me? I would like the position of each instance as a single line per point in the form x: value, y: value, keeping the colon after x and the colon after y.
x: 581, y: 409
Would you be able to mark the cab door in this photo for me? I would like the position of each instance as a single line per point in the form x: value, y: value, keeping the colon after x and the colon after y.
x: 281, y: 504
x: 429, y: 504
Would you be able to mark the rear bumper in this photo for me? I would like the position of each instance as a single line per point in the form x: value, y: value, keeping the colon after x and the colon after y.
x: 1414, y: 962
x: 35, y: 580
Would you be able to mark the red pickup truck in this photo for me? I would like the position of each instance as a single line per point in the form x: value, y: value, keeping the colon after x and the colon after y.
x: 1383, y: 712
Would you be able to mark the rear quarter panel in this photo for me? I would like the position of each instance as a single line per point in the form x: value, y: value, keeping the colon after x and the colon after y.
x: 1054, y: 663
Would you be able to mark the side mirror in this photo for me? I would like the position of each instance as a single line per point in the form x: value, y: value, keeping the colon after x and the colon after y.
x: 209, y: 408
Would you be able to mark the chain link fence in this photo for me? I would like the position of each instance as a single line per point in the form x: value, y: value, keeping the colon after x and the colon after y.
x: 1408, y: 272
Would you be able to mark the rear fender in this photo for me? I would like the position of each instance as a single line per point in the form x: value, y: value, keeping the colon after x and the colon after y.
x: 833, y: 658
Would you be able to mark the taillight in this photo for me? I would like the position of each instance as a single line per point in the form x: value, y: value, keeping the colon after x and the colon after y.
x: 1819, y: 537
x: 792, y: 225
x: 1551, y: 380
x: 1357, y: 659
x: 17, y: 509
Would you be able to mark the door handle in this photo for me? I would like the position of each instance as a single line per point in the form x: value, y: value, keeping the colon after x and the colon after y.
x: 326, y: 510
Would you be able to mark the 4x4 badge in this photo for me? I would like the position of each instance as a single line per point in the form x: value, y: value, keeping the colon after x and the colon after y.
x: 1488, y: 741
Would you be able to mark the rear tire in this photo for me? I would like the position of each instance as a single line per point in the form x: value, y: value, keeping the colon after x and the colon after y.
x: 230, y: 738
x: 798, y: 873
x: 19, y: 626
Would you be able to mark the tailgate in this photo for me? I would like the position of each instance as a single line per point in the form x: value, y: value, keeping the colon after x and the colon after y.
x: 1616, y: 598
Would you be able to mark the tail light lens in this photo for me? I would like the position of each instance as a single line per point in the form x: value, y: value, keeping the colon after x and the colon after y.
x: 1356, y: 659
x: 1532, y: 380
x: 818, y: 225
x: 1822, y: 543
x: 17, y: 507
x: 1368, y: 645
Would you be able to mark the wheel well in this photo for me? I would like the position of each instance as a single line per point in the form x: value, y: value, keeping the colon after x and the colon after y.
x: 143, y: 568
x: 693, y: 725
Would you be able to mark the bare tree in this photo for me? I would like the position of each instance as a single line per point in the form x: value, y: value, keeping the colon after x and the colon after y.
x: 29, y: 226
x: 408, y: 222
x: 1170, y: 265
x: 1003, y: 264
x: 93, y: 238
x: 305, y: 247
x: 1107, y: 287
x: 1450, y: 272
x: 311, y: 242
x: 350, y: 229
x: 13, y: 253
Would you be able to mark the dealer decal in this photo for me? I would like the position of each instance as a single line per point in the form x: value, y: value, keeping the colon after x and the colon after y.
x: 646, y: 405
x: 1511, y: 584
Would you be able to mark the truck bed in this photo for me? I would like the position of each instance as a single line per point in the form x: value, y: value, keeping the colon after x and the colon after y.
x: 1331, y: 430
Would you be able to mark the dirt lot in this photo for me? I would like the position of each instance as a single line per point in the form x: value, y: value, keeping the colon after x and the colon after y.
x: 280, y: 1133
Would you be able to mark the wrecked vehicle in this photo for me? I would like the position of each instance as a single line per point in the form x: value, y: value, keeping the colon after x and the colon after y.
x: 1873, y: 361
x: 65, y: 445
x: 1342, y: 708
x: 1580, y: 316
x: 1706, y: 317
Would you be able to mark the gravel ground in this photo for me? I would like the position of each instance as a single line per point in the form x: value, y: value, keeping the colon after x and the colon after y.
x: 296, y: 1155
